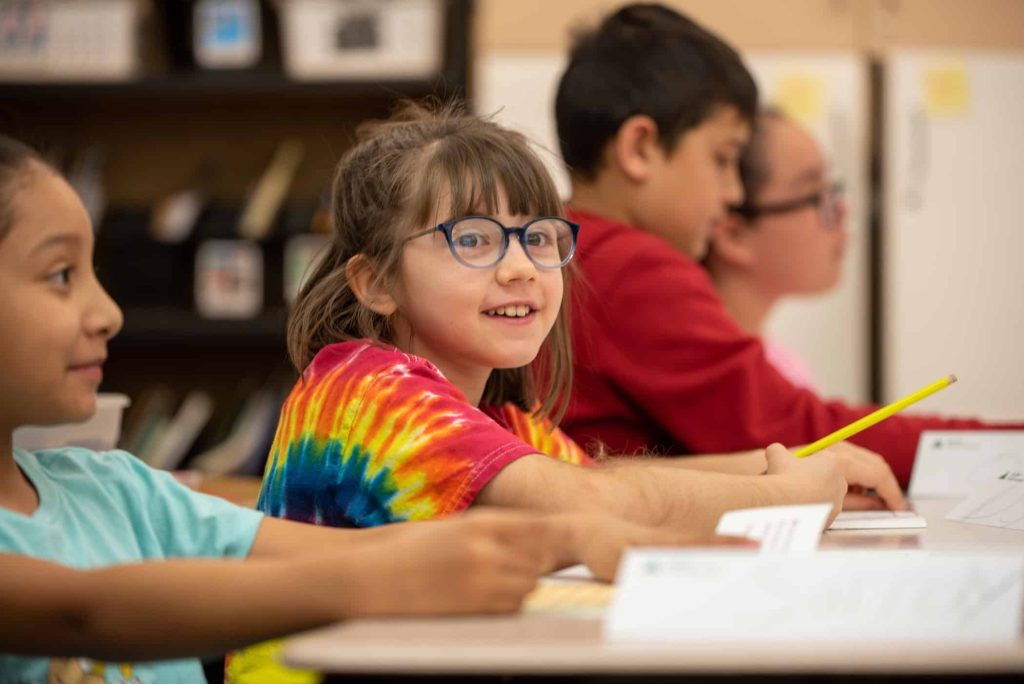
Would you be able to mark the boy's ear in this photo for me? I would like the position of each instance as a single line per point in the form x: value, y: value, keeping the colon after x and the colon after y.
x: 634, y: 146
x: 362, y: 278
x: 732, y: 241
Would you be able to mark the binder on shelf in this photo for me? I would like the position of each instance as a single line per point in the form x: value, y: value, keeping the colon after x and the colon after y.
x: 246, y: 439
x: 180, y: 432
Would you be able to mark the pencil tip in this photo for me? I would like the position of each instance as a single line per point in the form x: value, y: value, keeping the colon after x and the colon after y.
x: 952, y: 378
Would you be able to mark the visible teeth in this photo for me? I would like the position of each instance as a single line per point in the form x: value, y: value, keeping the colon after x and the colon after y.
x: 512, y: 311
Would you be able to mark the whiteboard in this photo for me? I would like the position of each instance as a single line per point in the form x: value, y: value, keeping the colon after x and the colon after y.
x: 953, y: 234
x: 518, y: 90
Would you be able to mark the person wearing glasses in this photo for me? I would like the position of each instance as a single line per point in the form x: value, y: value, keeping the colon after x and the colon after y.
x: 786, y: 238
x: 652, y: 113
x: 432, y: 344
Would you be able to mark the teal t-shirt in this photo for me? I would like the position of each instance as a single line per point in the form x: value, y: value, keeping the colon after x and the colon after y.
x: 100, y: 509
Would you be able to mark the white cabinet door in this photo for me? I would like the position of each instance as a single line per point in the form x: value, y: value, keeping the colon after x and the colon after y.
x: 953, y: 231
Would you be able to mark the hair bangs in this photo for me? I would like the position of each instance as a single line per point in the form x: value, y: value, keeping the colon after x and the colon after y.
x: 459, y: 176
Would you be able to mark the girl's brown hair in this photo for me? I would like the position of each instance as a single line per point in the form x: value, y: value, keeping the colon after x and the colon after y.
x: 754, y: 166
x: 389, y: 185
x: 16, y: 164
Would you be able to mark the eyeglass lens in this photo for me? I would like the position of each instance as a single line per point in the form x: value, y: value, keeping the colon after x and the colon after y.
x: 481, y: 241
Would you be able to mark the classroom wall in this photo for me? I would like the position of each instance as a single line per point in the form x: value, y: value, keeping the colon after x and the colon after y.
x: 869, y: 25
x: 519, y: 51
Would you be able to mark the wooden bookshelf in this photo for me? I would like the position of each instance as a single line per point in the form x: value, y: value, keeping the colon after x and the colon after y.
x: 153, y: 133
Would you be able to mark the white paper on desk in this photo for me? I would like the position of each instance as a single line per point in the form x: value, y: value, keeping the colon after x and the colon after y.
x: 675, y: 595
x: 1000, y: 503
x: 953, y: 463
x: 878, y: 520
x: 780, y: 529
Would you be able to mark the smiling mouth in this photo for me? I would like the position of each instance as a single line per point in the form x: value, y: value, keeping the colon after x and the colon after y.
x: 511, y: 311
x: 89, y: 364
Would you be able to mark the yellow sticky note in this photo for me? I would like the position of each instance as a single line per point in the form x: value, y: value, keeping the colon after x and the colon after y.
x: 947, y: 90
x: 801, y: 96
x: 569, y: 597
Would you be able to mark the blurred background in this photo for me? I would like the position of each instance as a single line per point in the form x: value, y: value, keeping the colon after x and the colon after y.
x: 202, y: 135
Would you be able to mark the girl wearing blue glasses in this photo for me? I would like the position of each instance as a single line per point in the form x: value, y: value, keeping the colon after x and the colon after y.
x: 433, y: 346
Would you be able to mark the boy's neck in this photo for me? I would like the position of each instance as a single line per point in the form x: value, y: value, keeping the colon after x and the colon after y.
x: 603, y: 197
x: 16, y: 492
x: 748, y: 303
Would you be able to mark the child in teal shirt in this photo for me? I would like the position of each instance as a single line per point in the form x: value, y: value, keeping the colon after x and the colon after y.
x: 77, y: 599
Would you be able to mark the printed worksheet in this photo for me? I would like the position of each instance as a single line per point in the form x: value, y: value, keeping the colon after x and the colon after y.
x: 953, y: 463
x: 1000, y: 503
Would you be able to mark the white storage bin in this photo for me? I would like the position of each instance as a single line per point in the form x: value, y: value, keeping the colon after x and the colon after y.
x: 362, y: 40
x: 69, y: 40
x: 99, y: 433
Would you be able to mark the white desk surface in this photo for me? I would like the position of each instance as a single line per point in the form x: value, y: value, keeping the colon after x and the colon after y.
x: 561, y: 643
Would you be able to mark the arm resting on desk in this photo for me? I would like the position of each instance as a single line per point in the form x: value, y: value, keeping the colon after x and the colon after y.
x: 862, y: 468
x: 687, y: 501
x: 481, y: 563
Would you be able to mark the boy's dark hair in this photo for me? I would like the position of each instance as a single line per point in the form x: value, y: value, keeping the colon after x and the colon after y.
x: 645, y: 59
x: 14, y: 161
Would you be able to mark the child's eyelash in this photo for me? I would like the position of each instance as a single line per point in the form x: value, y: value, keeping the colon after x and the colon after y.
x: 61, y: 276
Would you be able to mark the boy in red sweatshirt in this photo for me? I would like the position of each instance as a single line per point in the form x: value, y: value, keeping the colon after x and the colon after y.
x: 652, y: 114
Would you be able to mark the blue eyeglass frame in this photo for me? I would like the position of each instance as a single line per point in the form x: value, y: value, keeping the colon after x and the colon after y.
x: 518, y: 231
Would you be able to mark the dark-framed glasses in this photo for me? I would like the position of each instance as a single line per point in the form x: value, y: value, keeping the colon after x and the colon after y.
x: 826, y: 201
x: 481, y: 241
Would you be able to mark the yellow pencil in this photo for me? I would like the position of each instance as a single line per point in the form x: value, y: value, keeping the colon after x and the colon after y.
x: 876, y: 417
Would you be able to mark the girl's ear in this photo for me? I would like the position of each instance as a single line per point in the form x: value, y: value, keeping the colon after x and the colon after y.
x: 634, y: 147
x: 732, y: 241
x: 362, y: 278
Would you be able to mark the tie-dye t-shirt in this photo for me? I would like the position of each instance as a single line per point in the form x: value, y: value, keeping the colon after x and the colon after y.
x: 371, y: 435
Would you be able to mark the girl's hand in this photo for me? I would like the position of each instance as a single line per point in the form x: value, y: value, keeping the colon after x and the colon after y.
x: 598, y: 540
x: 480, y: 562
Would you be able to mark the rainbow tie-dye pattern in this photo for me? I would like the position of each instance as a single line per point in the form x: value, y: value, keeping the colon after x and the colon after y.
x: 370, y: 435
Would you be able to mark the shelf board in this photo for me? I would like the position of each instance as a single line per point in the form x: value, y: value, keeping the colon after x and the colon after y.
x: 236, y: 85
x: 160, y: 327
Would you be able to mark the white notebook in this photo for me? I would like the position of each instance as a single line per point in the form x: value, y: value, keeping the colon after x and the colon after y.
x: 878, y: 520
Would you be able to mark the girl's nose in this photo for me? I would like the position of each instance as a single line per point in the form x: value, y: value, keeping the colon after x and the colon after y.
x: 105, y: 317
x: 515, y: 265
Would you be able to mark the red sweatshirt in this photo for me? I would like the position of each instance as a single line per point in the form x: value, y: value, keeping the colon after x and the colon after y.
x: 661, y: 366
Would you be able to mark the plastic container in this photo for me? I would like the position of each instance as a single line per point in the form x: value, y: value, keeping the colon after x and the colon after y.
x: 352, y: 40
x: 226, y: 34
x: 99, y: 433
x: 70, y: 40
